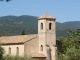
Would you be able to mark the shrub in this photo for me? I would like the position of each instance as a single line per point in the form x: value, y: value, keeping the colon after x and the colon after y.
x: 1, y: 53
x: 8, y: 57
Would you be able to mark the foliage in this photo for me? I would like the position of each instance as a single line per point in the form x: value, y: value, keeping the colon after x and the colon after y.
x: 23, y: 32
x: 72, y: 54
x: 13, y: 25
x: 1, y: 52
x: 70, y: 46
x: 0, y: 35
x: 8, y: 57
x: 64, y: 42
x: 59, y: 56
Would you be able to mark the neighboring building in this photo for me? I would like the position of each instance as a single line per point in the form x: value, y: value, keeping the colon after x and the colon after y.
x: 41, y: 45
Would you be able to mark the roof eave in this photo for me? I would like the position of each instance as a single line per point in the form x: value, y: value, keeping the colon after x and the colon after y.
x: 47, y: 18
x: 12, y: 43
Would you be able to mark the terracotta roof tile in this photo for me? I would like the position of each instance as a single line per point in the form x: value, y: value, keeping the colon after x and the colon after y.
x: 46, y: 16
x: 16, y: 39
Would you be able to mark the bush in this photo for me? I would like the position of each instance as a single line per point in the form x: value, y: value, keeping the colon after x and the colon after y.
x: 8, y: 57
x: 1, y: 53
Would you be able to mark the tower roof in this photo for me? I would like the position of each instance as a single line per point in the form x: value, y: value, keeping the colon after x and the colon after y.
x: 46, y: 16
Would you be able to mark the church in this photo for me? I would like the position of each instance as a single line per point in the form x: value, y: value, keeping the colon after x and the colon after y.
x: 41, y: 45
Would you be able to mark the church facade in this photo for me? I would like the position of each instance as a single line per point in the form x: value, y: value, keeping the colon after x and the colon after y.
x: 41, y: 45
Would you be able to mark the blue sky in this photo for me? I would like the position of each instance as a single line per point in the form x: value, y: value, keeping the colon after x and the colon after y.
x: 63, y: 10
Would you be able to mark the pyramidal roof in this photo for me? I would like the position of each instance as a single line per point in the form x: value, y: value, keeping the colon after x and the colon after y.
x: 45, y: 16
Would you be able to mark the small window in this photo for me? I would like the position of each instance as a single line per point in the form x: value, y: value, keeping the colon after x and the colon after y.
x: 9, y: 50
x: 41, y: 47
x: 17, y: 50
x: 50, y: 25
x: 41, y: 26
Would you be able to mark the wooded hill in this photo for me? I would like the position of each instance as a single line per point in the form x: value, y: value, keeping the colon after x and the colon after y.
x: 13, y: 25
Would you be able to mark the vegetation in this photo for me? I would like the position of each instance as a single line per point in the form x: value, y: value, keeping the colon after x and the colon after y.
x: 18, y: 58
x: 13, y: 25
x: 70, y: 46
x: 1, y: 52
x: 0, y: 35
x: 23, y: 32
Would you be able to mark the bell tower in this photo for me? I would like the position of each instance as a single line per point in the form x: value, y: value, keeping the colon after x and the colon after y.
x: 47, y: 35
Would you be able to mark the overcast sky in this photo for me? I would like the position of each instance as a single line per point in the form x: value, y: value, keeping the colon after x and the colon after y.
x: 63, y: 10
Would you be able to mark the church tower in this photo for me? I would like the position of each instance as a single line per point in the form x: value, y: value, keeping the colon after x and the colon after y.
x: 47, y: 35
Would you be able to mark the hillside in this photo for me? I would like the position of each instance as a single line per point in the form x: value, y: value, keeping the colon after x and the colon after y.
x: 76, y: 23
x: 13, y: 25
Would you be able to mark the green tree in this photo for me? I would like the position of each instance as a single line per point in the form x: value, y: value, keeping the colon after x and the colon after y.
x: 70, y: 46
x: 72, y: 54
x: 0, y: 35
x: 23, y: 32
x: 64, y: 42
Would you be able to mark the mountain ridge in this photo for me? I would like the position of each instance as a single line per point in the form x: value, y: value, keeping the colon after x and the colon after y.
x: 13, y: 25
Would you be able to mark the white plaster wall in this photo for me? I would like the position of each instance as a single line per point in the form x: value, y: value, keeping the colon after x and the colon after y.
x: 13, y: 49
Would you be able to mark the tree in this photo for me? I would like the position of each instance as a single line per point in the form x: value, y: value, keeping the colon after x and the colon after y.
x: 74, y: 38
x: 70, y: 46
x: 0, y: 35
x: 23, y: 32
x: 72, y: 54
x: 64, y: 42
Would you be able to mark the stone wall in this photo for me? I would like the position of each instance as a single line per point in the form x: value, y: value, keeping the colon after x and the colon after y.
x: 31, y: 46
x: 13, y: 48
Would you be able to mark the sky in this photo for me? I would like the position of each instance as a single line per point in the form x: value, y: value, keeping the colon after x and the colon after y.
x: 63, y: 10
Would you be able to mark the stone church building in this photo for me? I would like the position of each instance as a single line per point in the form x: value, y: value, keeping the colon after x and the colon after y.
x: 41, y: 45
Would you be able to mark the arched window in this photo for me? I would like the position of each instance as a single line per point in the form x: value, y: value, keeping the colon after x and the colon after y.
x: 17, y: 50
x: 9, y: 50
x: 41, y: 47
x: 41, y: 26
x: 50, y: 25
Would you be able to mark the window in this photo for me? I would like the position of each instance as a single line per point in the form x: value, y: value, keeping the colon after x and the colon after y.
x: 9, y: 50
x: 41, y: 47
x: 41, y: 25
x: 17, y: 50
x: 50, y: 25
